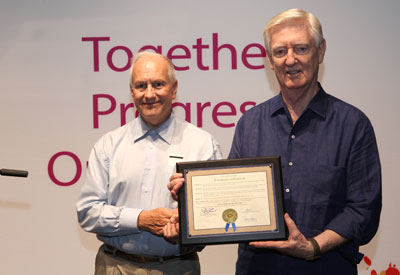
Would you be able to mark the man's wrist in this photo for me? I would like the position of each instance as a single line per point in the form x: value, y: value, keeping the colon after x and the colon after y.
x: 316, y: 248
x: 142, y: 223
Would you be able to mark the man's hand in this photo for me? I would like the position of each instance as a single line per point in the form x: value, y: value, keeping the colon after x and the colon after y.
x: 154, y: 220
x: 171, y: 230
x: 297, y: 244
x: 175, y: 183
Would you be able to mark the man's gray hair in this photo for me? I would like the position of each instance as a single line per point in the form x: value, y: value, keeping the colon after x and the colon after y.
x: 171, y: 69
x: 311, y: 22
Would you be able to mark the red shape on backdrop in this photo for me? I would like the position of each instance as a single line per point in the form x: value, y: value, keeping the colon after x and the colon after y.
x: 367, y: 260
x: 392, y: 270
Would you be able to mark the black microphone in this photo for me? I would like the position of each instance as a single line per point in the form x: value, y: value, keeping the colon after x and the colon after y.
x: 13, y: 173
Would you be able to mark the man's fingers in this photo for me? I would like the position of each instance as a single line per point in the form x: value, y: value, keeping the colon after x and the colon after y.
x: 294, y: 233
x: 261, y: 244
x: 176, y: 187
x: 176, y: 177
x: 175, y: 183
x: 170, y: 233
x: 288, y: 220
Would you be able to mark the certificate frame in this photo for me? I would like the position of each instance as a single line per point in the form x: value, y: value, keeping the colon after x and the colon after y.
x: 231, y: 201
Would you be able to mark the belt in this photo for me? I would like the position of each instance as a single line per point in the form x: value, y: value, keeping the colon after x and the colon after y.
x: 144, y: 259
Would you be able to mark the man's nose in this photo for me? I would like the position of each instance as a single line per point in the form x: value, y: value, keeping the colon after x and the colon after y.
x: 290, y: 58
x: 149, y: 93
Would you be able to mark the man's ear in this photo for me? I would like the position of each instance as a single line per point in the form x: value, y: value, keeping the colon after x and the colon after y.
x: 174, y: 89
x: 270, y: 61
x: 321, y: 51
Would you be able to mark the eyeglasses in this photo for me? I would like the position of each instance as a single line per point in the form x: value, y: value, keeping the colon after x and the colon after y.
x: 301, y: 49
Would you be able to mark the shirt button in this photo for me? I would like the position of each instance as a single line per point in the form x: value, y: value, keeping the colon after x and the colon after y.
x: 287, y: 190
x: 145, y: 190
x: 292, y: 136
x: 290, y: 163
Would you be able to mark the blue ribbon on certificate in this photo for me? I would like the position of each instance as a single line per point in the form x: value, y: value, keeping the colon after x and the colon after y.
x: 227, y: 226
x: 230, y: 216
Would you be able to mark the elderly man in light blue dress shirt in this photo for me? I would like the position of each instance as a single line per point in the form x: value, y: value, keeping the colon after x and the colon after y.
x: 125, y: 200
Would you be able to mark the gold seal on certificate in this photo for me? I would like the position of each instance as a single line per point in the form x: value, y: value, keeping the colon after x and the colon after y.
x: 230, y: 216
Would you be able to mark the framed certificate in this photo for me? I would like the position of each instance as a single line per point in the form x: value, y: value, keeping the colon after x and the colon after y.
x: 231, y: 201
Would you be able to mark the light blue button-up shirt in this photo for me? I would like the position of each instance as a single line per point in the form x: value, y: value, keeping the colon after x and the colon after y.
x: 129, y: 169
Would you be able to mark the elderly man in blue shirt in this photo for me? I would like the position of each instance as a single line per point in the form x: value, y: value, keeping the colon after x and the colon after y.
x: 330, y: 163
x: 125, y: 200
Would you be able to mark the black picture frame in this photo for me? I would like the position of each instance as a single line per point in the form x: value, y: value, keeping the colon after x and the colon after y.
x: 192, y: 213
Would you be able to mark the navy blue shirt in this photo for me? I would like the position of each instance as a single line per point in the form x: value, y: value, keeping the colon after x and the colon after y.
x: 331, y: 176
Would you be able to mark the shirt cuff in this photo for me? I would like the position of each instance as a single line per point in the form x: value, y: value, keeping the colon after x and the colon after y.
x: 128, y: 220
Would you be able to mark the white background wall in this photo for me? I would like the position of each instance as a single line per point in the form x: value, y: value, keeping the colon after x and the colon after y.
x: 47, y: 83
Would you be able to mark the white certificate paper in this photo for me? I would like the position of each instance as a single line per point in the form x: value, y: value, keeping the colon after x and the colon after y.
x: 245, y: 191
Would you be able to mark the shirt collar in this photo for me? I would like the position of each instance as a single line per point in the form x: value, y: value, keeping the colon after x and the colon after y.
x: 318, y: 104
x: 165, y: 131
x: 277, y: 104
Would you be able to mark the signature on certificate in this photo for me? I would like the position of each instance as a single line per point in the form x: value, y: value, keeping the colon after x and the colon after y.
x: 208, y: 210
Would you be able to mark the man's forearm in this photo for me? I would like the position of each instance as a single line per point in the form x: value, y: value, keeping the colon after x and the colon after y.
x: 329, y: 240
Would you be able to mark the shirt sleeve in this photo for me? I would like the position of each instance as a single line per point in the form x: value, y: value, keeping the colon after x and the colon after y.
x: 359, y: 219
x: 236, y: 142
x: 217, y: 152
x: 95, y: 214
